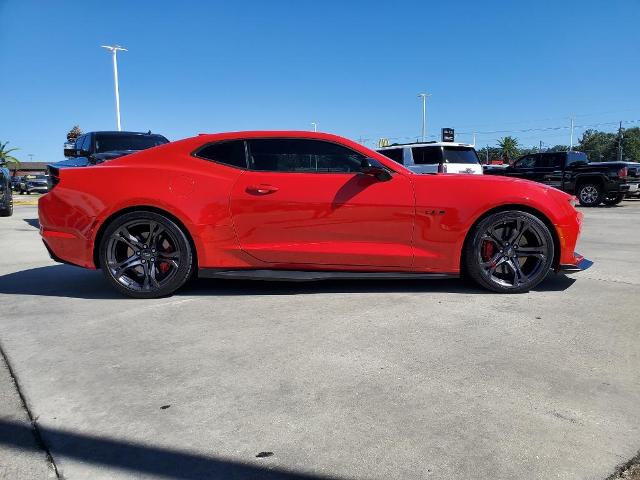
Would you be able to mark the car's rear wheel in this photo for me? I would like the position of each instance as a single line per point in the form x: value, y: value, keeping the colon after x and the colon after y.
x: 589, y: 194
x: 7, y: 211
x: 509, y: 252
x: 145, y: 255
x: 613, y: 199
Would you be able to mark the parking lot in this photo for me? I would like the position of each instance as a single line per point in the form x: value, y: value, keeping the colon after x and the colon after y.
x: 345, y: 380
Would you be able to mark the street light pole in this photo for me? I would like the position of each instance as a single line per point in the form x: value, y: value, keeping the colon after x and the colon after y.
x: 315, y: 126
x: 114, y: 53
x: 424, y: 114
x: 571, y: 139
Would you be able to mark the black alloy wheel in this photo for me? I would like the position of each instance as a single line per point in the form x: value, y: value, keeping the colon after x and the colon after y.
x: 509, y: 252
x: 145, y: 255
x: 589, y: 194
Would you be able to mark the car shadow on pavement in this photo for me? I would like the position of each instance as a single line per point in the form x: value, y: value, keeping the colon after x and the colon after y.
x: 33, y: 222
x: 143, y: 458
x: 74, y: 282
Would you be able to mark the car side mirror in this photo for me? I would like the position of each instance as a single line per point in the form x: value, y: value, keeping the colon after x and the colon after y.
x: 373, y: 167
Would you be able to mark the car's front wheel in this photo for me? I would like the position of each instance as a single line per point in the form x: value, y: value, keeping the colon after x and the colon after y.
x: 145, y: 255
x: 509, y: 252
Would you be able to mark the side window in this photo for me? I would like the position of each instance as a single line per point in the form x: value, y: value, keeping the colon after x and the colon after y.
x: 394, y: 154
x: 526, y: 162
x: 230, y: 153
x: 301, y: 155
x: 427, y: 155
x: 79, y: 141
x: 86, y: 144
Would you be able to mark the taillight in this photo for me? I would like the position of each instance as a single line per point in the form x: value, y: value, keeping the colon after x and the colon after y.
x: 623, y: 172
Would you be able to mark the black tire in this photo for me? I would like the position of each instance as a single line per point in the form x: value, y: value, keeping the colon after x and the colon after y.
x: 589, y: 194
x: 613, y: 199
x: 7, y: 211
x: 520, y: 254
x: 21, y: 192
x: 154, y: 259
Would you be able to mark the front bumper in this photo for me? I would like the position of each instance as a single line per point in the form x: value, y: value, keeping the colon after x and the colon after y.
x: 580, y: 265
x: 632, y: 189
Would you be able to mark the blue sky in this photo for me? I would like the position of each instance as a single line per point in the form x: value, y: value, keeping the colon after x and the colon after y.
x: 354, y: 67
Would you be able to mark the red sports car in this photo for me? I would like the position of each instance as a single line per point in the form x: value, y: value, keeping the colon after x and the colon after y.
x: 300, y: 206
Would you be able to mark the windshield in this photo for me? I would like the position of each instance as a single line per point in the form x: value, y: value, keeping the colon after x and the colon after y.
x: 460, y: 155
x: 110, y: 143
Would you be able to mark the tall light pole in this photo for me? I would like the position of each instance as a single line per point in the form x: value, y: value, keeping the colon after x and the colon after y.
x: 315, y: 126
x: 571, y: 139
x: 114, y: 49
x: 424, y: 114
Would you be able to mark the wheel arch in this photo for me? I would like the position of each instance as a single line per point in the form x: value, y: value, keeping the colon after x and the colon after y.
x: 140, y: 208
x: 514, y: 206
x: 586, y: 178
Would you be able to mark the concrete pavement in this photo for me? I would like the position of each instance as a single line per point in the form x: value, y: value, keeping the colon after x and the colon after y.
x: 366, y: 380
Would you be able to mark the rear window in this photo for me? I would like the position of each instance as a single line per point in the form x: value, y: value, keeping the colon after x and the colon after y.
x: 460, y: 155
x: 394, y: 154
x: 111, y: 143
x: 426, y: 155
x: 576, y: 157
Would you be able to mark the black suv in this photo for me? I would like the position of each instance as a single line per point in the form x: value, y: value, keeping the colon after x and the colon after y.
x: 97, y: 147
x: 6, y: 194
x: 571, y: 172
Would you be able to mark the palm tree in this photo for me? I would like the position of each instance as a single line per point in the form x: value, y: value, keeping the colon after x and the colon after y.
x: 509, y: 147
x: 5, y: 156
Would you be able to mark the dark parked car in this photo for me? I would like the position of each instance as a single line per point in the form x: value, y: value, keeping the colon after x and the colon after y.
x: 97, y: 147
x: 571, y: 172
x: 15, y: 182
x: 6, y: 195
x: 633, y: 172
x: 33, y: 184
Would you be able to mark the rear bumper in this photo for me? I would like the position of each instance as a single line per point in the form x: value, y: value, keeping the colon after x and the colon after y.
x: 580, y: 265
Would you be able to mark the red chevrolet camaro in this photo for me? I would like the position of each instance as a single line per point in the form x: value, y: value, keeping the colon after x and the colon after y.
x: 300, y: 206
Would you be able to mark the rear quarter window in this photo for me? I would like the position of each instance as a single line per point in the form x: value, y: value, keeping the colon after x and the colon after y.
x: 231, y: 153
x: 426, y: 155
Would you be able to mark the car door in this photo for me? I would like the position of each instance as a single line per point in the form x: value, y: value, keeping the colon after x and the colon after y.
x: 554, y: 171
x: 305, y: 202
x: 522, y: 168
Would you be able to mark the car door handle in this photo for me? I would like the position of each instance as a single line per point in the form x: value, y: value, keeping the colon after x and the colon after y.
x: 261, y: 189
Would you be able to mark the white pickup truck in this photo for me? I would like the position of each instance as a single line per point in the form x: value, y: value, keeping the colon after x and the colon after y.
x: 435, y: 157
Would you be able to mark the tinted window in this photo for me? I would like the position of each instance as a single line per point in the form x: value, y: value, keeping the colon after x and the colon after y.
x: 298, y: 155
x: 394, y: 154
x: 526, y: 162
x: 576, y: 157
x: 426, y: 155
x: 460, y: 155
x: 549, y: 160
x: 86, y: 143
x: 111, y: 143
x: 230, y: 153
x: 79, y: 141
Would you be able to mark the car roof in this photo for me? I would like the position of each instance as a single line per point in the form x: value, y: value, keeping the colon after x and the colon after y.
x: 115, y: 132
x: 426, y: 144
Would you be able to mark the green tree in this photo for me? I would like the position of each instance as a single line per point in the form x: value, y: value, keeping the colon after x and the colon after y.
x: 74, y: 133
x: 631, y: 145
x: 559, y: 148
x: 6, y: 157
x: 509, y: 147
x: 599, y: 146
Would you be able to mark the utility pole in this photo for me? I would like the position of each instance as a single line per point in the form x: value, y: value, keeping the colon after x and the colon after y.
x: 487, y: 149
x: 571, y: 141
x: 620, y: 134
x: 114, y: 49
x: 474, y: 139
x: 540, y: 146
x: 424, y: 114
x: 30, y: 157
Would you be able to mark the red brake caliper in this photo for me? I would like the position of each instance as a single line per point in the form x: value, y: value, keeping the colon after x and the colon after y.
x: 488, y: 250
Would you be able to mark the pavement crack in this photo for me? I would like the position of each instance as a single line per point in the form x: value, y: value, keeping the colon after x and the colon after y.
x: 34, y: 425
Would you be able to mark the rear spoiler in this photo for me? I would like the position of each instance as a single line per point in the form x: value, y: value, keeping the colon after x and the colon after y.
x: 53, y: 176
